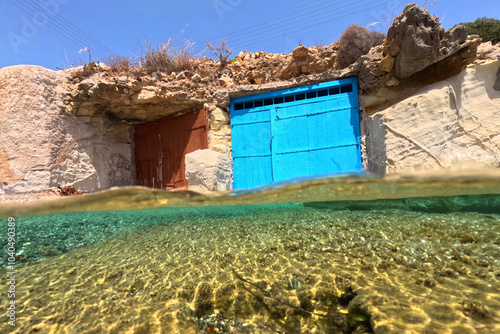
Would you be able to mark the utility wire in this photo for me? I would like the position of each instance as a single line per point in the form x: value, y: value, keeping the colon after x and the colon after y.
x: 306, y: 20
x: 262, y: 26
x: 76, y: 30
x: 276, y: 26
x: 61, y: 30
x: 321, y: 19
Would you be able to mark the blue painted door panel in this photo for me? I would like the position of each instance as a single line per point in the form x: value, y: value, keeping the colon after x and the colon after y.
x: 309, y: 130
x: 252, y: 154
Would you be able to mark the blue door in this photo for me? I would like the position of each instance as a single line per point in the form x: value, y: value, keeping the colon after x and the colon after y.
x: 310, y: 130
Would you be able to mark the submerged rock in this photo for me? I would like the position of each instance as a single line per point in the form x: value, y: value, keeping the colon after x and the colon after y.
x: 294, y: 284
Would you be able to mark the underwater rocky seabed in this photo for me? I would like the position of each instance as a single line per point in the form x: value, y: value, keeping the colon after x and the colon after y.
x: 329, y: 267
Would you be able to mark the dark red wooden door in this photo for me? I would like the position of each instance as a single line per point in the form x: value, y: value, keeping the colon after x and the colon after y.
x: 160, y: 148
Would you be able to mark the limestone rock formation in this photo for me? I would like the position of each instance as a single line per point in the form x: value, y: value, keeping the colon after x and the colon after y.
x: 488, y: 51
x: 450, y: 125
x: 41, y: 147
x: 386, y: 64
x: 146, y: 98
x: 416, y: 39
x: 209, y: 170
x: 218, y: 118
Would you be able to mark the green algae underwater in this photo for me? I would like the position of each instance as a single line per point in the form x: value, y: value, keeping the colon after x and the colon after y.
x: 345, y: 254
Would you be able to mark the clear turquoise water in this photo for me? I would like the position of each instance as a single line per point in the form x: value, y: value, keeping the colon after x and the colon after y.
x: 335, y: 255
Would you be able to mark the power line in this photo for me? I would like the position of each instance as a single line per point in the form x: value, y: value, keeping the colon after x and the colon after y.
x: 278, y: 31
x: 276, y: 26
x: 307, y: 19
x: 60, y: 28
x: 77, y: 30
x: 265, y: 24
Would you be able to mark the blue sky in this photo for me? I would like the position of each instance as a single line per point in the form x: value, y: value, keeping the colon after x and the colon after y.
x: 51, y: 33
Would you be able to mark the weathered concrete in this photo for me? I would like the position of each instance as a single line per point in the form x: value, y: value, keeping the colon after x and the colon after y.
x: 42, y: 147
x: 450, y: 125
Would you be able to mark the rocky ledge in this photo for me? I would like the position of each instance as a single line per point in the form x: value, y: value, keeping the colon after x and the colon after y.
x: 416, y: 52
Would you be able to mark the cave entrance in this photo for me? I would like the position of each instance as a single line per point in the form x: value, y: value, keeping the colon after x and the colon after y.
x: 161, y: 146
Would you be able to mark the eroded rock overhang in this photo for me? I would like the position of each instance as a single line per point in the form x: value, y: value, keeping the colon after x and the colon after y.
x: 416, y: 52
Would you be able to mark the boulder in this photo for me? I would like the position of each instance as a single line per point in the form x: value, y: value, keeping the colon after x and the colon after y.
x: 488, y: 51
x: 181, y: 76
x: 196, y: 77
x: 416, y: 40
x: 147, y: 95
x: 218, y: 119
x: 209, y: 170
x: 386, y: 64
x: 300, y: 52
x: 226, y: 81
x: 453, y: 38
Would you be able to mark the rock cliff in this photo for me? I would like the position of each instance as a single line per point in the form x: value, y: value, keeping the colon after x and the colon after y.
x: 42, y: 147
x: 450, y: 125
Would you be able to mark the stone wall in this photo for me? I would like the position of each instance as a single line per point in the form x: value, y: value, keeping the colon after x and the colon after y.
x: 41, y: 147
x: 453, y: 124
x: 212, y: 169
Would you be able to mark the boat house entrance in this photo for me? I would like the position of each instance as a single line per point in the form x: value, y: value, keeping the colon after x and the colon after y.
x: 160, y: 149
x: 309, y: 130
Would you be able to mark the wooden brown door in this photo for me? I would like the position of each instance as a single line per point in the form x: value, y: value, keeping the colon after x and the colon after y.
x: 160, y: 148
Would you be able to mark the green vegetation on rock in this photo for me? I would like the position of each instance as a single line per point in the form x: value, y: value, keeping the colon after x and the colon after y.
x: 487, y: 28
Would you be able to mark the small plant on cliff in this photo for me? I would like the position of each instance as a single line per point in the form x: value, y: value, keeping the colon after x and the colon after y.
x: 185, y: 58
x: 356, y: 41
x: 86, y: 49
x: 91, y: 68
x: 119, y: 64
x: 487, y: 28
x: 85, y: 70
x: 221, y: 52
x: 159, y: 59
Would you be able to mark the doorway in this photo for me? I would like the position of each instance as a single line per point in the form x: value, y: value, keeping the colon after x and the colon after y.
x: 161, y: 146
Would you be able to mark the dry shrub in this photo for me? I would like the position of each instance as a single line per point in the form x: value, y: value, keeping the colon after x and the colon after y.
x: 185, y: 58
x: 221, y: 52
x: 86, y: 70
x: 167, y: 58
x: 356, y: 41
x: 320, y: 44
x: 159, y: 59
x: 119, y: 64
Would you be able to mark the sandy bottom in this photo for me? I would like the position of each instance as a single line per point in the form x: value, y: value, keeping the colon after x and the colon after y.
x: 288, y: 269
